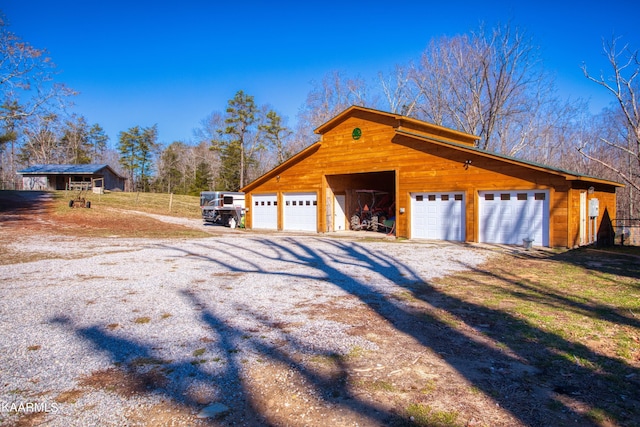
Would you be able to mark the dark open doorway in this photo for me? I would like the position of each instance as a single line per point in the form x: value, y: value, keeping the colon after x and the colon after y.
x: 368, y: 196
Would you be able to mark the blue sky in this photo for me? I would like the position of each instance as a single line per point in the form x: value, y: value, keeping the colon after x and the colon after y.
x: 173, y: 63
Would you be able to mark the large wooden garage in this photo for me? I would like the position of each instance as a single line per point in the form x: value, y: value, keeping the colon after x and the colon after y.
x: 388, y: 173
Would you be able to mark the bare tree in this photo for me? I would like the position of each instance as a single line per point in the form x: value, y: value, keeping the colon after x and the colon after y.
x: 448, y: 81
x: 27, y: 88
x: 328, y: 98
x: 488, y: 83
x: 508, y: 61
x: 209, y: 128
x: 400, y: 95
x: 623, y: 138
x: 547, y: 134
x: 26, y: 78
x: 41, y: 145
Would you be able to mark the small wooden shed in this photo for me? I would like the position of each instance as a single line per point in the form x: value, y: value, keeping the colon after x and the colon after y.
x: 58, y: 177
x: 432, y: 183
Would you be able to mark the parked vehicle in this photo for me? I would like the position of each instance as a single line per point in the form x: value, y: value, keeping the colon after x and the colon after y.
x: 222, y: 207
x: 374, y: 208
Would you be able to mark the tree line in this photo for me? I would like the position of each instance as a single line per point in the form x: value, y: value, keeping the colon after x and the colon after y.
x: 490, y: 82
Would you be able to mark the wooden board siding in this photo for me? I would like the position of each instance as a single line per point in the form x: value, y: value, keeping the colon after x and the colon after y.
x: 399, y: 122
x: 337, y: 155
x: 425, y: 160
x: 558, y: 216
x: 573, y: 222
x: 607, y: 200
x: 443, y: 169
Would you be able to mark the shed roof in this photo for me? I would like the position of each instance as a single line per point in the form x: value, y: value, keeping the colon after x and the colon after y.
x: 86, y: 169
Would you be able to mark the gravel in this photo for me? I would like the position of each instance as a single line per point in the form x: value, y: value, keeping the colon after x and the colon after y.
x: 199, y: 310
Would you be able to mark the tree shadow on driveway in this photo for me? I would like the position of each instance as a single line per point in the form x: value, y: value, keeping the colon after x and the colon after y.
x: 526, y: 371
x: 515, y: 369
x: 175, y: 378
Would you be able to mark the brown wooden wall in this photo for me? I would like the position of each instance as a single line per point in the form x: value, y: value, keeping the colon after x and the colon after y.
x: 384, y: 160
x: 607, y: 201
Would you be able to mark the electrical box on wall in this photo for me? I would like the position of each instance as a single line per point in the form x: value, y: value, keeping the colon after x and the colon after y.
x: 594, y: 208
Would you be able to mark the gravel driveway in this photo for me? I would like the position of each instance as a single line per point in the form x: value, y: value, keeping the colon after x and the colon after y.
x: 186, y: 318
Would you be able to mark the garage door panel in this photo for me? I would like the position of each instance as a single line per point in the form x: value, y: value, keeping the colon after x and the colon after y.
x: 508, y: 217
x: 453, y: 215
x: 300, y: 211
x: 265, y: 211
x: 438, y: 216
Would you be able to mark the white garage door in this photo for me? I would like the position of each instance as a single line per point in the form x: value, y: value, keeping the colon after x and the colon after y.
x: 300, y: 211
x: 508, y: 217
x: 265, y: 211
x: 438, y: 216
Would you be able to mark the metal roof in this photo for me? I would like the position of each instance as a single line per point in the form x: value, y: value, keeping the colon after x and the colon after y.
x: 529, y: 163
x: 63, y: 169
x: 571, y: 175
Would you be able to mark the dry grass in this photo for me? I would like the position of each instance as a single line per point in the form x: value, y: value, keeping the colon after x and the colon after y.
x: 102, y: 219
x: 158, y: 203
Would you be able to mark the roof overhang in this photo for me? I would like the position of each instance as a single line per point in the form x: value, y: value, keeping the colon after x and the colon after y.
x: 398, y: 122
x: 421, y: 131
x: 85, y: 169
x: 282, y: 166
x: 568, y: 175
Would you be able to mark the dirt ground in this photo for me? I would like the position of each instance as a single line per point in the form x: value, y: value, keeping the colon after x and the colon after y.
x: 450, y: 383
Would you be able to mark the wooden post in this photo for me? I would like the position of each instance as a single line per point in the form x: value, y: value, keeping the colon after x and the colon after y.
x: 170, y: 201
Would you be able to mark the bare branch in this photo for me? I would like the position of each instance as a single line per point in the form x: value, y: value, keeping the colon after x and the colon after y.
x: 628, y: 179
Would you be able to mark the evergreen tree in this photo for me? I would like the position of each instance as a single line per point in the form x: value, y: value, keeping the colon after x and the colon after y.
x: 127, y: 147
x: 147, y: 146
x: 238, y: 137
x: 241, y: 115
x: 229, y: 175
x: 276, y: 134
x: 10, y: 116
x: 170, y: 175
x: 202, y: 179
x: 136, y: 147
x: 98, y: 142
x: 75, y: 141
x: 8, y: 136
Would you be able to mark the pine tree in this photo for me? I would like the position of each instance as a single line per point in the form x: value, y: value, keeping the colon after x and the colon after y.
x: 136, y: 147
x: 75, y: 141
x: 146, y: 148
x: 229, y: 176
x: 98, y: 142
x: 276, y: 135
x: 202, y: 179
x: 127, y: 147
x: 169, y: 173
x: 241, y: 115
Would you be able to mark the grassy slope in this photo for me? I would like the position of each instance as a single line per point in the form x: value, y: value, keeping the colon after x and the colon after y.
x: 106, y: 217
